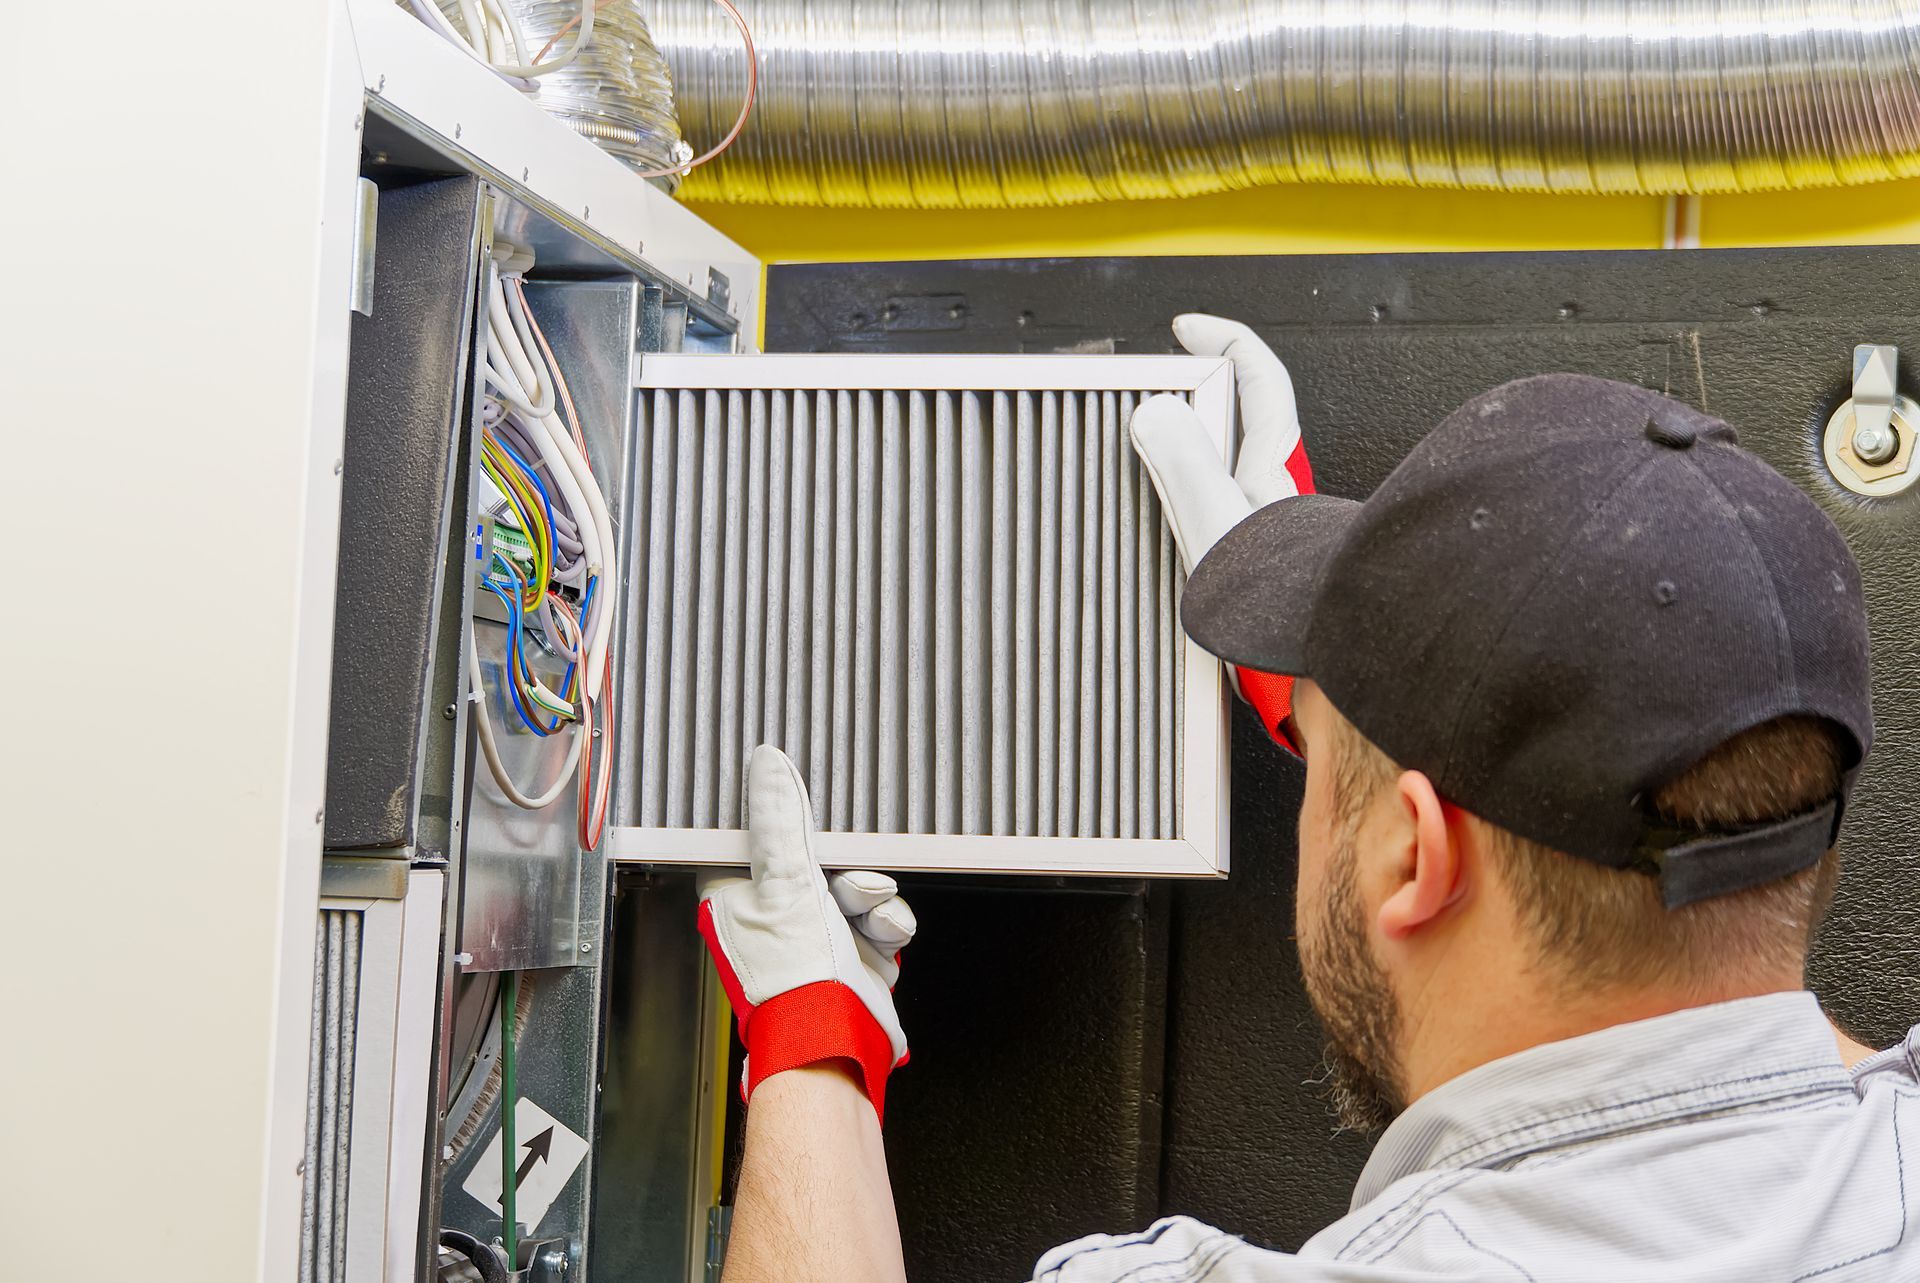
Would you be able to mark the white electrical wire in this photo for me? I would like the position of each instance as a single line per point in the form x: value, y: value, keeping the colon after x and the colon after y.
x: 493, y: 28
x: 510, y: 339
x: 519, y: 376
x: 491, y: 751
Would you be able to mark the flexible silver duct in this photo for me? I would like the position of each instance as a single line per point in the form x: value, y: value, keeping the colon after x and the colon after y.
x: 617, y: 92
x: 980, y: 103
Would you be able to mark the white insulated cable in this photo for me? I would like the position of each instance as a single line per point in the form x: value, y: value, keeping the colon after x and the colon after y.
x: 511, y: 334
x: 523, y: 379
x: 596, y: 534
x: 491, y: 751
x: 505, y: 336
x: 582, y: 35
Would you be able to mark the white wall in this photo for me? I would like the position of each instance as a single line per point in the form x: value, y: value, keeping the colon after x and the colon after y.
x: 171, y: 272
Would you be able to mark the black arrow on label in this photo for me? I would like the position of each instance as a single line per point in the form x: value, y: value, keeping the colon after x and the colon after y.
x: 536, y: 1151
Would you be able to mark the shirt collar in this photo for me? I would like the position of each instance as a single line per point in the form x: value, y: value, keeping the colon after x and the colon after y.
x: 1629, y: 1076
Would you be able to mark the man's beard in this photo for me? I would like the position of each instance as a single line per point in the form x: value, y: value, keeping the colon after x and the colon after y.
x: 1350, y: 994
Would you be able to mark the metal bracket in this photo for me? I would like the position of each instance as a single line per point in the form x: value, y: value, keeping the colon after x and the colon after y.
x: 545, y: 1260
x: 365, y: 234
x: 719, y: 1226
x: 1874, y: 440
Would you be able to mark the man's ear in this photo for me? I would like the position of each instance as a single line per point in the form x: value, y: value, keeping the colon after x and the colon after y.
x: 1430, y: 878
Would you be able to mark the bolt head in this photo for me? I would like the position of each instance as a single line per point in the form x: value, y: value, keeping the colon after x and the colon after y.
x: 1875, y: 445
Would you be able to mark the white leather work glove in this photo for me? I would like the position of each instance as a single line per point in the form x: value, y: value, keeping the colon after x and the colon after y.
x: 1201, y: 499
x: 808, y: 962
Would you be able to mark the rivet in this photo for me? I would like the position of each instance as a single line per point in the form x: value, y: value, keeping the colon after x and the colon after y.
x: 1481, y: 519
x: 1665, y: 593
x: 1567, y: 312
x: 1377, y: 312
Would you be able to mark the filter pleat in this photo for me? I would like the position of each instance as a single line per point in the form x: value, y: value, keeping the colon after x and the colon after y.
x: 956, y: 610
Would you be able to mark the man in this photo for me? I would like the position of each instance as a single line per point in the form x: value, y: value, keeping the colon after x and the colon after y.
x: 1581, y: 691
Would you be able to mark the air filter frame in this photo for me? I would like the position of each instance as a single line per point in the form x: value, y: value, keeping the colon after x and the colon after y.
x: 1201, y: 794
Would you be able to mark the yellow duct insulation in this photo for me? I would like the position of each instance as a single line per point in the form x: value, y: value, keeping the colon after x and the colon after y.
x: 955, y: 104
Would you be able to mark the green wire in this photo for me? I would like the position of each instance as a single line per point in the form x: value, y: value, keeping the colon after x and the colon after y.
x: 509, y: 1214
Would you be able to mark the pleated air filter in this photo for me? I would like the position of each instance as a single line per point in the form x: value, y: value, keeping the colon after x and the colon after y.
x: 944, y: 586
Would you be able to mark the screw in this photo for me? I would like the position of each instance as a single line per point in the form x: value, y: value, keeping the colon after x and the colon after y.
x: 319, y: 815
x: 1567, y: 312
x: 456, y: 131
x: 1378, y: 312
x: 447, y: 712
x: 338, y: 464
x: 587, y: 212
x: 525, y: 173
x: 381, y: 86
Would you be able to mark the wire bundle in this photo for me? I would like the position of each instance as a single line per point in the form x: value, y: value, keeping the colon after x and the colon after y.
x: 619, y: 95
x: 491, y: 31
x: 554, y: 561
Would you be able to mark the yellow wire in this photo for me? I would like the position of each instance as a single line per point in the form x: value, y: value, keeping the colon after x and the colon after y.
x: 527, y: 506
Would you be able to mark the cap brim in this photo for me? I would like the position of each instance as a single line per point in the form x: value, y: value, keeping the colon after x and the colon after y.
x: 1248, y: 600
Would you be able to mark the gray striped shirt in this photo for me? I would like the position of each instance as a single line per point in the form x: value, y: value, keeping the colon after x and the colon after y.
x: 1722, y: 1143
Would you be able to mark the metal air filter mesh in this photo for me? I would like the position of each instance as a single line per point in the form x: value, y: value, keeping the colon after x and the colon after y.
x: 955, y: 610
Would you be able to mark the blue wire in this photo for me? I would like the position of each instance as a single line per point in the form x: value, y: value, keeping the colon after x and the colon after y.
x: 516, y: 659
x: 513, y: 689
x: 586, y: 600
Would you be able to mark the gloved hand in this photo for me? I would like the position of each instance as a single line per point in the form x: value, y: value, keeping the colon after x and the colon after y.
x: 1201, y: 500
x: 808, y: 962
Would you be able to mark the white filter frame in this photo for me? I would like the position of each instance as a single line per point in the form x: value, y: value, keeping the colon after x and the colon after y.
x: 1202, y: 849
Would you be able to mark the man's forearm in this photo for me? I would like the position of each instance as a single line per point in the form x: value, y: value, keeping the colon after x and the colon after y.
x: 813, y: 1205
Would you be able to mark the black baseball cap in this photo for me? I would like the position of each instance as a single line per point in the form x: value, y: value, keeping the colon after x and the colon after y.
x: 1571, y: 591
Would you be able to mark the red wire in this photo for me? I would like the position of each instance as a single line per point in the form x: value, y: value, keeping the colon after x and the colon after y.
x: 746, y: 104
x: 746, y: 107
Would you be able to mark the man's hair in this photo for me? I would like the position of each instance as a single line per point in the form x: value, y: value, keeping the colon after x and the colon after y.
x: 1597, y: 926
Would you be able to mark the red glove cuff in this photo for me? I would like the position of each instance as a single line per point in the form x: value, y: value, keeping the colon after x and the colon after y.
x: 814, y: 1023
x: 805, y: 1026
x: 1272, y: 698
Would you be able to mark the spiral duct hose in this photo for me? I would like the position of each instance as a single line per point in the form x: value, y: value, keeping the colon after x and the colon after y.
x: 617, y: 92
x: 992, y: 103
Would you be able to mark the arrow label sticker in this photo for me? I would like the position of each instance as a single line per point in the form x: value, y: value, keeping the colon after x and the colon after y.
x: 548, y: 1155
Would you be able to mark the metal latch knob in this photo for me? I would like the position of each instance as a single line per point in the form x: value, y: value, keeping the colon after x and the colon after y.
x: 1869, y: 443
